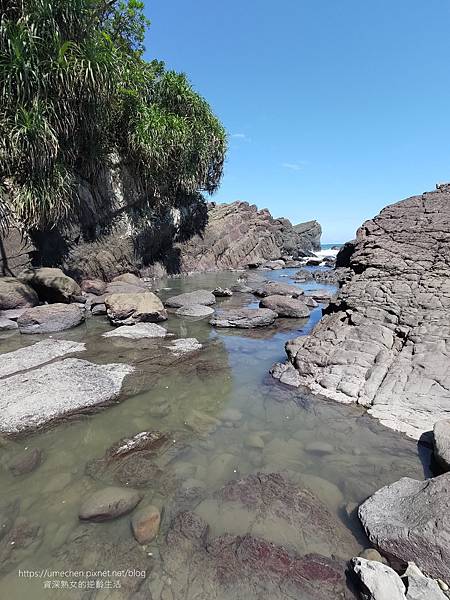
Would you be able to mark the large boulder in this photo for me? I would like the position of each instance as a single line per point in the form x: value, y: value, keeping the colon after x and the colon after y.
x: 16, y: 294
x: 204, y: 297
x: 55, y: 391
x: 273, y: 288
x: 244, y: 318
x: 50, y: 318
x: 384, y: 342
x: 408, y: 521
x: 441, y: 443
x: 285, y: 306
x: 51, y: 285
x: 128, y: 309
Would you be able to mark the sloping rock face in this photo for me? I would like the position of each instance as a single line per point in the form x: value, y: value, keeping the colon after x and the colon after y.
x: 311, y: 232
x: 385, y: 342
x: 238, y: 235
x: 409, y: 521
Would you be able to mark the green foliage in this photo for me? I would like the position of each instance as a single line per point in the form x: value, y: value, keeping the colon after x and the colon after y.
x: 74, y: 89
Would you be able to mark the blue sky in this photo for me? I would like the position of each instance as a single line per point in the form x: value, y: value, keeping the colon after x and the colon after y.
x: 334, y: 108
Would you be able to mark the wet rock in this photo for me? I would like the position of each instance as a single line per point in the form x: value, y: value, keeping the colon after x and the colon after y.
x: 285, y: 306
x: 129, y: 309
x: 254, y: 441
x: 241, y: 288
x: 441, y: 443
x: 51, y: 392
x: 22, y: 540
x: 222, y: 292
x: 50, y: 318
x: 26, y: 462
x: 407, y: 522
x: 184, y: 346
x: 93, y: 286
x: 320, y: 448
x: 231, y: 414
x: 16, y: 294
x: 195, y: 310
x: 138, y: 461
x: 314, y: 262
x: 36, y: 354
x: 383, y: 343
x: 244, y: 318
x: 222, y: 467
x: 303, y: 275
x: 7, y: 324
x: 378, y: 581
x: 145, y: 524
x: 109, y: 503
x: 138, y: 331
x: 204, y: 297
x: 286, y: 373
x: 272, y: 288
x: 51, y: 285
x: 201, y: 422
x: 274, y: 265
x: 98, y: 309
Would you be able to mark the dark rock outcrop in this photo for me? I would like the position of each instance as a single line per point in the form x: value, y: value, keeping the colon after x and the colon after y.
x: 408, y: 521
x: 385, y: 340
x: 310, y: 232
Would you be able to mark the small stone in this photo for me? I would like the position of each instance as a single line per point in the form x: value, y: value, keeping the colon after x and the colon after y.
x: 320, y: 448
x: 231, y: 414
x: 109, y: 503
x: 145, y: 524
x: 372, y: 554
x: 99, y: 309
x: 222, y: 292
x: 442, y: 585
x: 254, y: 441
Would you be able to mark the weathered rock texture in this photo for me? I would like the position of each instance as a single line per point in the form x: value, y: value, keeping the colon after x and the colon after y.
x: 311, y: 232
x: 385, y: 342
x: 112, y: 237
x: 409, y: 521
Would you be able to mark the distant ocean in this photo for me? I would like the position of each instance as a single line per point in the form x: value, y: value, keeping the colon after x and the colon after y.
x: 328, y: 250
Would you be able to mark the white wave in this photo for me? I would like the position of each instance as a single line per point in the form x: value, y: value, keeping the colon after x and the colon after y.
x: 327, y: 252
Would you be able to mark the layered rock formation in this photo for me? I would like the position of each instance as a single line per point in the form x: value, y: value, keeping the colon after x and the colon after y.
x: 112, y: 238
x: 385, y: 340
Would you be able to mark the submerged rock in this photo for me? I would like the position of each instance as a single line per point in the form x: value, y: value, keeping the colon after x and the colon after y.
x: 51, y: 285
x: 138, y: 331
x: 184, y: 346
x: 36, y: 354
x: 145, y: 524
x: 203, y: 297
x: 285, y: 306
x: 16, y: 294
x: 50, y: 318
x: 244, y: 318
x: 26, y: 462
x: 57, y: 390
x: 408, y: 521
x: 131, y: 308
x: 109, y: 503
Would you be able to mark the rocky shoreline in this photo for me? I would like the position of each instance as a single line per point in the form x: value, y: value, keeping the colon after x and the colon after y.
x: 381, y: 343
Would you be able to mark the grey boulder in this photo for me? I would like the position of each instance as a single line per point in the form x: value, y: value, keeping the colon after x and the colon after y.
x: 204, y: 297
x: 50, y: 318
x: 16, y: 294
x: 195, y: 310
x: 109, y: 503
x: 93, y: 286
x: 408, y: 521
x: 51, y: 284
x: 285, y: 306
x: 7, y: 324
x: 128, y: 309
x: 441, y: 443
x: 222, y: 292
x: 272, y: 288
x: 244, y: 318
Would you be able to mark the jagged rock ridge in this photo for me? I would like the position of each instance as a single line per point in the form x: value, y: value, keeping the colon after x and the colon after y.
x: 385, y: 342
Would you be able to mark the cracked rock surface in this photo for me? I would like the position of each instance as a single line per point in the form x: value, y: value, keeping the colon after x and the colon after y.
x: 385, y: 340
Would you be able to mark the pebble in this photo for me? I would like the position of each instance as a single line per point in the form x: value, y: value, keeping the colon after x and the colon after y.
x: 254, y: 441
x: 145, y: 524
x: 321, y: 448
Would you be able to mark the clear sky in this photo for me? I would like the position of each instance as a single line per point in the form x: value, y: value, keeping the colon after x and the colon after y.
x: 335, y: 108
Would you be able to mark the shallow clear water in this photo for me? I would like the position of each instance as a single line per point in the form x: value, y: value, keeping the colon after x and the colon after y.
x: 231, y: 372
